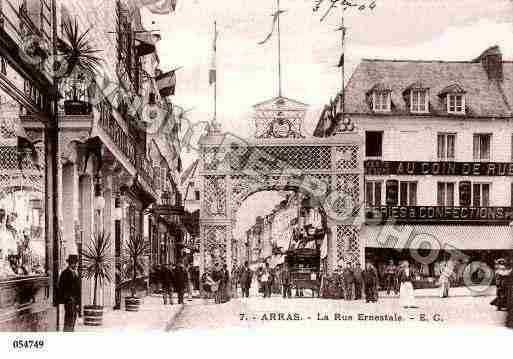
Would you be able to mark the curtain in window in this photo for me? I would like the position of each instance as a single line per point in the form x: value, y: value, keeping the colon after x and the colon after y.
x: 451, y: 139
x: 485, y: 194
x: 392, y: 193
x: 441, y: 146
x: 476, y: 147
x: 404, y: 193
x: 441, y: 194
x: 485, y: 146
x: 449, y: 198
x: 465, y: 193
x: 377, y: 193
x: 412, y: 195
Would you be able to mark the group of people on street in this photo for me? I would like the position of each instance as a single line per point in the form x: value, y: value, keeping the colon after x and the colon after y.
x: 173, y: 278
x: 352, y: 283
x: 216, y: 283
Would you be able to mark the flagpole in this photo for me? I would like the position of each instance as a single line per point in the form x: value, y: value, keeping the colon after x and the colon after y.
x: 215, y: 66
x: 342, y: 90
x: 279, y: 51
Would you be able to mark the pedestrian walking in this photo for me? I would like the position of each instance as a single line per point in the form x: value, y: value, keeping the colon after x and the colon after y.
x: 406, y: 291
x: 358, y: 281
x: 246, y: 277
x: 217, y: 276
x: 501, y: 275
x: 286, y: 281
x: 390, y: 277
x: 348, y: 282
x: 69, y: 293
x: 265, y: 279
x: 445, y: 276
x: 235, y: 281
x: 179, y: 281
x: 167, y: 284
x: 371, y: 280
x: 225, y: 294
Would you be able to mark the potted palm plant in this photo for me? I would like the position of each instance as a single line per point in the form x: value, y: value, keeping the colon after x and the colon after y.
x: 136, y: 251
x: 82, y: 63
x: 97, y: 264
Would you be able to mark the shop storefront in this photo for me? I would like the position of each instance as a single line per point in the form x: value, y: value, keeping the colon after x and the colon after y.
x: 27, y: 171
x: 428, y: 248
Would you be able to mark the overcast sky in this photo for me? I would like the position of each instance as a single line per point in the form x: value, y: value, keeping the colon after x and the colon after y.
x: 247, y: 72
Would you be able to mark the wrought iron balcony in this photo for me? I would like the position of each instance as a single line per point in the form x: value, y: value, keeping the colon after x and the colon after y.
x: 146, y: 170
x: 108, y: 123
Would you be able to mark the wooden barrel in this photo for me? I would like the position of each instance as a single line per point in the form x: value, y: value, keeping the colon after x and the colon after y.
x: 132, y: 304
x: 93, y: 315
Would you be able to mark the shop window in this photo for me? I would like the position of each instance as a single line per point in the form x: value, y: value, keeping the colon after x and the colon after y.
x: 465, y: 190
x: 445, y: 194
x: 22, y: 216
x: 373, y: 143
x: 482, y: 146
x: 481, y: 194
x: 373, y: 193
x: 392, y: 193
x: 446, y: 146
x: 408, y: 193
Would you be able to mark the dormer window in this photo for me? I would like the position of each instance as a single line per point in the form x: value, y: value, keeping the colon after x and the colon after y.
x: 455, y: 103
x: 381, y: 101
x: 454, y: 98
x: 419, y: 101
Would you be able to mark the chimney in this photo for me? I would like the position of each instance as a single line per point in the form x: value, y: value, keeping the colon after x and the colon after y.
x: 491, y: 59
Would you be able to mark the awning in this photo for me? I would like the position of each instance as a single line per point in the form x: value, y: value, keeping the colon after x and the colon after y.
x: 438, y: 237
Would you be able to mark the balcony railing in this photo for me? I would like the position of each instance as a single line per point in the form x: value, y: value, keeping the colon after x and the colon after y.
x: 109, y: 124
x: 146, y: 170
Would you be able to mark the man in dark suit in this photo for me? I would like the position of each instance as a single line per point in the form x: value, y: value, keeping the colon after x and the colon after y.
x: 286, y: 281
x: 358, y: 281
x: 348, y: 282
x: 167, y: 284
x: 245, y: 279
x: 180, y: 281
x: 69, y: 292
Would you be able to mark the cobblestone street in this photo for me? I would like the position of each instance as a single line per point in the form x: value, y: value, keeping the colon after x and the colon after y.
x: 461, y: 309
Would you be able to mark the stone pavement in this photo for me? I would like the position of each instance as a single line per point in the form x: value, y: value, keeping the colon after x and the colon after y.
x: 152, y: 316
x: 462, y: 308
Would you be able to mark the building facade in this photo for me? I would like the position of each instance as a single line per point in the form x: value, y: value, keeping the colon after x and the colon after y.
x: 438, y: 157
x: 28, y: 236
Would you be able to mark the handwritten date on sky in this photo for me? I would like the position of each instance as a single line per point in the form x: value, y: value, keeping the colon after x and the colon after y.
x: 345, y: 4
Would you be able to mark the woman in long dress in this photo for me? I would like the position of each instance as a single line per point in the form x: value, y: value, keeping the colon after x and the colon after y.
x: 406, y: 292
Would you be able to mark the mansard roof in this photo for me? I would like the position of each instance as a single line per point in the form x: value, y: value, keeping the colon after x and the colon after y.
x: 483, y: 97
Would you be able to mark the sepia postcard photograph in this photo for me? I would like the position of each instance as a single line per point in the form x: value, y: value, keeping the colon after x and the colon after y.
x: 181, y: 167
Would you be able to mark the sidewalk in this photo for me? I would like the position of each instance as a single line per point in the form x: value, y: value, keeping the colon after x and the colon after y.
x: 152, y: 316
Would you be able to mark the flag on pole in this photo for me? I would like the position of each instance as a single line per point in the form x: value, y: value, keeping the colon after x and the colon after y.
x: 212, y: 74
x: 275, y: 19
x: 166, y: 83
x: 341, y: 61
x: 161, y: 7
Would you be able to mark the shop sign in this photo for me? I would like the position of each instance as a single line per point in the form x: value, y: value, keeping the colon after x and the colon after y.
x: 492, y: 215
x: 377, y: 167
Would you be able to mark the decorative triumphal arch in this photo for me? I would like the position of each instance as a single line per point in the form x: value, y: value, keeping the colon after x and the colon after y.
x: 327, y: 170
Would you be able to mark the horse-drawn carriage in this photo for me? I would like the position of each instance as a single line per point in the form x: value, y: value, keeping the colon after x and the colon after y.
x: 304, y: 268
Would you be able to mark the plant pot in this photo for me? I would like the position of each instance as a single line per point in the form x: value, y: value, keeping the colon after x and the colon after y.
x: 132, y: 304
x: 76, y: 107
x: 93, y: 315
